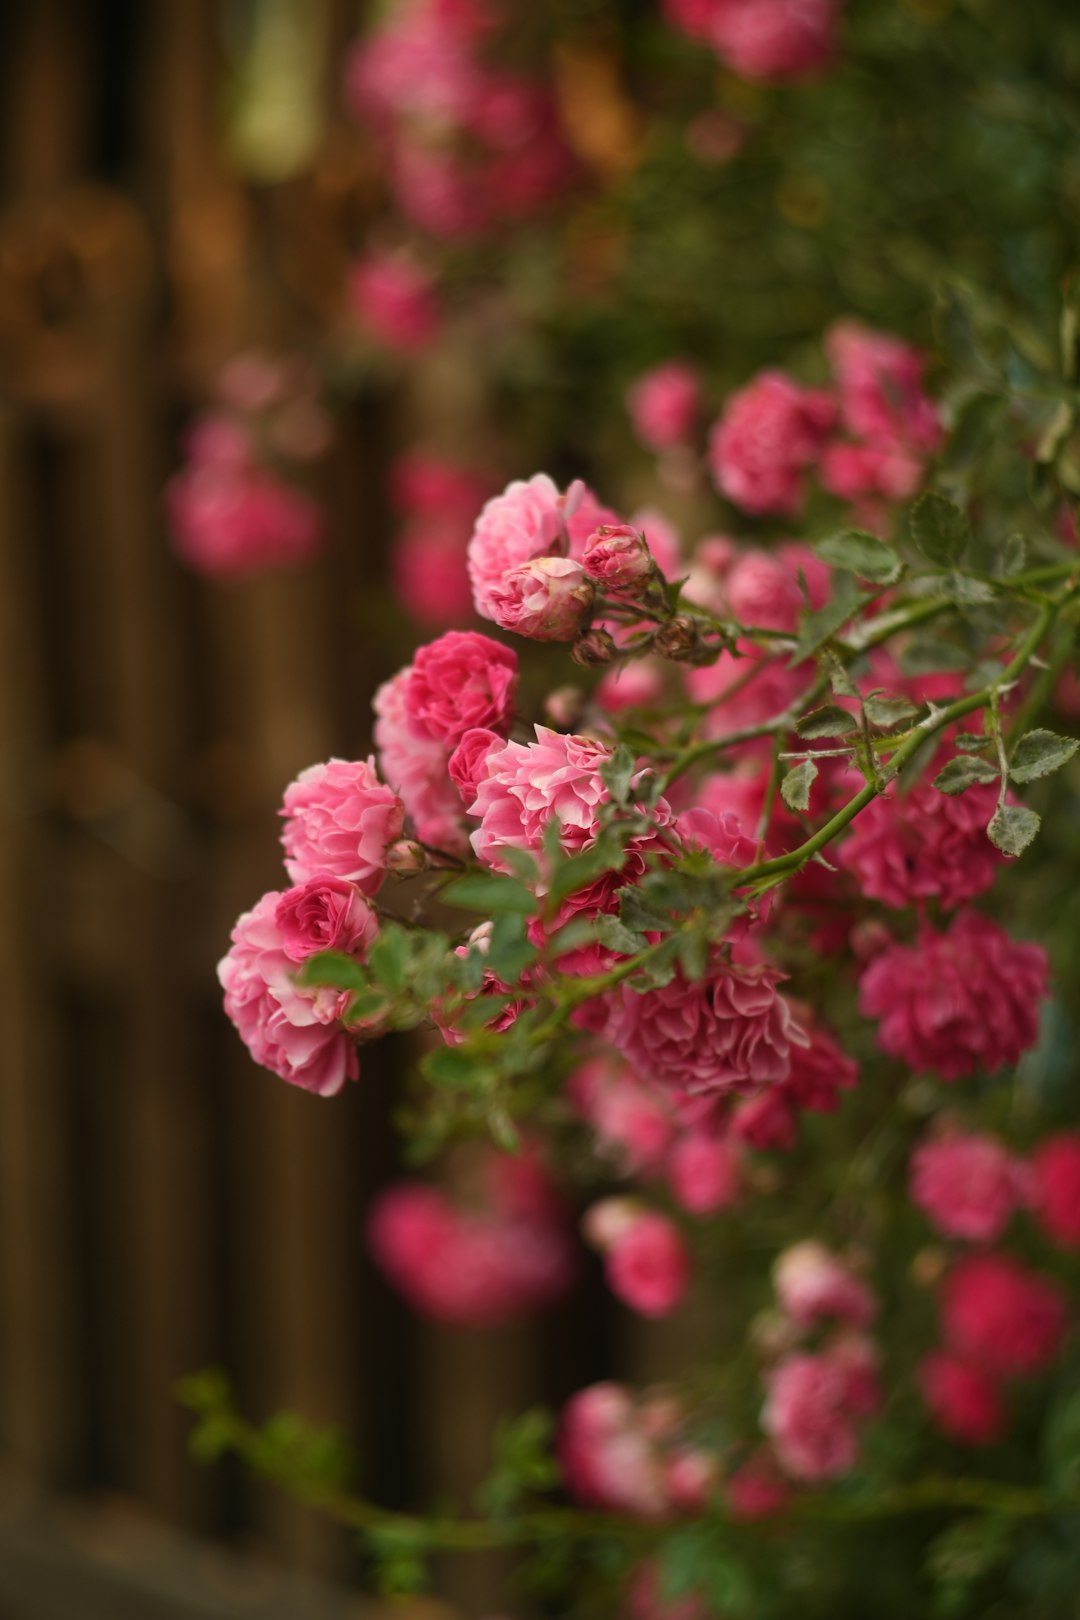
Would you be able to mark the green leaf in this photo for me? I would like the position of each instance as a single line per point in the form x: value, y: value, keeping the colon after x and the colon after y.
x: 509, y: 951
x: 577, y: 871
x: 939, y: 528
x: 613, y: 933
x: 489, y: 893
x: 453, y: 1066
x: 1012, y: 828
x: 965, y: 772
x: 887, y: 712
x: 618, y: 772
x: 1040, y: 753
x: 971, y: 742
x: 796, y: 785
x: 1013, y: 556
x: 388, y: 959
x: 839, y: 679
x: 861, y: 553
x: 335, y: 969
x: 828, y: 721
x: 818, y: 628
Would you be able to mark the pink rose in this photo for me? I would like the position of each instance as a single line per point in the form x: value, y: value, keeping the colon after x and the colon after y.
x: 924, y: 845
x: 963, y: 1400
x: 727, y: 1031
x: 959, y: 1001
x: 229, y: 521
x: 339, y: 822
x: 1002, y: 1316
x: 545, y: 599
x: 530, y: 785
x: 458, y: 683
x: 879, y: 380
x: 812, y: 1285
x: 762, y: 39
x: 288, y: 1030
x: 617, y: 558
x: 607, y: 1458
x: 468, y: 764
x: 646, y: 1264
x: 769, y: 433
x: 1055, y: 1188
x: 968, y: 1185
x: 325, y: 914
x: 632, y: 1120
x: 529, y: 520
x: 663, y: 405
x: 760, y: 590
x: 417, y: 766
x: 395, y: 299
x: 704, y: 1173
x: 808, y: 1417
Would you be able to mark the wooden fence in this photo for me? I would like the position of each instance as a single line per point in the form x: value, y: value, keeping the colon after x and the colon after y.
x: 163, y: 1204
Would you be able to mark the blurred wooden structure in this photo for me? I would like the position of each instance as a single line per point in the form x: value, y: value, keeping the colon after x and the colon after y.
x: 163, y: 1204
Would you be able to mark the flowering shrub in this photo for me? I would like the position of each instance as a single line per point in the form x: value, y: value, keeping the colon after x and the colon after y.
x: 736, y: 960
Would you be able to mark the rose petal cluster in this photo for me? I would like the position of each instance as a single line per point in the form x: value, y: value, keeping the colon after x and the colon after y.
x: 924, y: 845
x: 632, y: 1455
x: 664, y: 403
x: 769, y: 433
x: 968, y: 1184
x: 394, y: 298
x: 531, y: 519
x: 645, y: 1259
x: 340, y: 820
x: 762, y: 39
x: 958, y: 1001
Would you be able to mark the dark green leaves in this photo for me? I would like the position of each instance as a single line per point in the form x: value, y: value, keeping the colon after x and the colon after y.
x: 796, y: 785
x: 1040, y: 753
x: 489, y: 893
x: 828, y: 721
x: 939, y: 529
x: 862, y: 554
x: 888, y: 712
x: 524, y: 1462
x: 1012, y: 828
x: 618, y: 772
x: 964, y: 772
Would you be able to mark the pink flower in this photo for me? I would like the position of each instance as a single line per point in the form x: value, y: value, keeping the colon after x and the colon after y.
x: 325, y: 914
x: 868, y: 472
x: 505, y: 1254
x: 963, y: 1400
x: 663, y: 405
x: 812, y: 1285
x: 288, y: 1030
x: 647, y: 1265
x: 760, y: 590
x: 769, y: 433
x: 968, y: 1185
x: 468, y: 764
x: 231, y: 521
x: 755, y: 1490
x: 958, y: 1001
x: 458, y: 683
x: 730, y: 1030
x: 808, y: 1418
x: 721, y: 835
x: 632, y: 1120
x: 879, y: 380
x: 762, y: 39
x: 1003, y: 1317
x: 618, y: 559
x: 607, y: 1458
x: 704, y: 1172
x: 924, y: 845
x: 647, y: 1602
x: 545, y: 599
x: 339, y: 822
x: 395, y: 298
x: 529, y: 520
x: 417, y: 765
x: 530, y: 785
x: 1055, y: 1175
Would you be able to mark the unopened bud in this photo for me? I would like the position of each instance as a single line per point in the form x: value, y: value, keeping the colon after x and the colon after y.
x: 406, y: 857
x: 594, y: 648
x: 618, y: 558
x: 679, y: 639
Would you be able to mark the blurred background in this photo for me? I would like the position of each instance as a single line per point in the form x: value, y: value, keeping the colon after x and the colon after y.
x: 183, y: 182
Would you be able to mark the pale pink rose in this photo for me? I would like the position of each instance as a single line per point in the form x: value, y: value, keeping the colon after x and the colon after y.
x: 704, y: 1173
x: 340, y: 819
x: 618, y: 559
x: 419, y: 62
x: 728, y: 1031
x: 458, y: 683
x: 530, y: 785
x: 632, y: 1121
x: 395, y: 299
x: 529, y: 520
x: 761, y: 591
x: 922, y: 845
x: 647, y: 1265
x: 808, y: 1419
x: 957, y: 1001
x: 607, y: 1459
x: 1005, y: 1318
x: 1055, y: 1188
x: 963, y: 1400
x: 769, y: 433
x: 468, y: 764
x: 502, y: 1253
x: 231, y: 521
x: 813, y: 1285
x: 664, y: 403
x: 546, y: 599
x: 325, y: 914
x: 417, y: 766
x: 969, y: 1185
x: 290, y: 1031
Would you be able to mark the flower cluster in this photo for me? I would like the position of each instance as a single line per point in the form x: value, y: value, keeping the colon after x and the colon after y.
x: 236, y: 506
x: 762, y: 39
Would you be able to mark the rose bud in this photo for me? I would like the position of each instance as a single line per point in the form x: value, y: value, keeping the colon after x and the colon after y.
x: 406, y: 857
x: 679, y: 639
x: 545, y: 599
x: 618, y: 558
x: 594, y: 648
